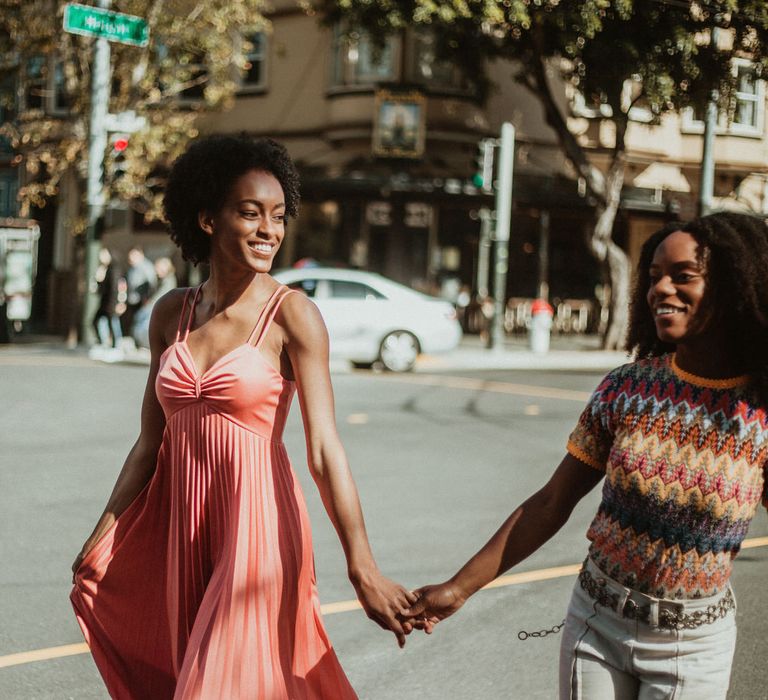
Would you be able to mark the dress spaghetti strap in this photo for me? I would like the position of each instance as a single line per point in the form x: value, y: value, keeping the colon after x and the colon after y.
x: 263, y: 315
x: 191, y: 313
x: 181, y: 315
x: 271, y: 310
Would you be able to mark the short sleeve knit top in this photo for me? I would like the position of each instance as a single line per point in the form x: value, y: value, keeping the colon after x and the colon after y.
x: 685, y: 463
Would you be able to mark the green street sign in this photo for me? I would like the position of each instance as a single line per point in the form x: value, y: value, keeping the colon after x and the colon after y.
x: 113, y: 26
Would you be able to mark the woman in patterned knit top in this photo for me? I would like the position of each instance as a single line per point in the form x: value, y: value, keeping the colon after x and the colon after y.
x: 680, y: 439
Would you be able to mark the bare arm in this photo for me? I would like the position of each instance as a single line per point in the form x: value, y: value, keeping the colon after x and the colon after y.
x: 307, y: 346
x: 140, y: 464
x: 529, y: 526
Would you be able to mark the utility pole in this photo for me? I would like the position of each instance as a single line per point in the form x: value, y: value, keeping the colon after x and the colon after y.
x: 707, y: 185
x: 97, y: 143
x: 484, y: 179
x: 484, y: 251
x: 707, y: 180
x: 543, y: 286
x: 503, y: 218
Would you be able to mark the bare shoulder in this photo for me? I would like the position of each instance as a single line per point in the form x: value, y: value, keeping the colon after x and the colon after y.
x: 301, y: 319
x: 166, y: 311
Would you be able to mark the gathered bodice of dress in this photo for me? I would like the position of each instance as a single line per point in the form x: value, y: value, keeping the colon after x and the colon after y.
x: 242, y: 386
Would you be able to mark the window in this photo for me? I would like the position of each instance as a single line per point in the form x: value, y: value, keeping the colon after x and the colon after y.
x: 9, y: 186
x: 745, y: 117
x: 342, y: 289
x: 746, y: 112
x: 35, y: 82
x: 254, y: 78
x: 308, y: 287
x: 313, y: 288
x: 45, y: 86
x: 359, y: 62
x: 429, y: 70
x: 61, y: 101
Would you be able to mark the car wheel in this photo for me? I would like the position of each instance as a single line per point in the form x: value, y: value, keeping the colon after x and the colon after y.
x: 399, y: 351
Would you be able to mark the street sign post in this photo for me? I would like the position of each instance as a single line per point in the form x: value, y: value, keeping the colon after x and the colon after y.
x: 105, y: 24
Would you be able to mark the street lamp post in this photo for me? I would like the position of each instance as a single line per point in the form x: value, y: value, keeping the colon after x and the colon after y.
x: 97, y: 143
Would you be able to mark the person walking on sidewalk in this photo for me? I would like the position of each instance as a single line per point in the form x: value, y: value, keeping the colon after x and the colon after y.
x: 141, y: 279
x: 680, y: 437
x: 106, y: 321
x: 198, y: 581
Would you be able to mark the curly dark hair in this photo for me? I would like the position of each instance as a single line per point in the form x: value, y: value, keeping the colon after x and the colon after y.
x: 735, y: 248
x: 201, y: 178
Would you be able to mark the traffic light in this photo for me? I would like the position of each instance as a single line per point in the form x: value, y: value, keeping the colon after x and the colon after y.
x: 116, y: 159
x: 483, y: 177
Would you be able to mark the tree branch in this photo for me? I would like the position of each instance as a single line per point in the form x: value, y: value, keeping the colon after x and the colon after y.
x: 538, y: 82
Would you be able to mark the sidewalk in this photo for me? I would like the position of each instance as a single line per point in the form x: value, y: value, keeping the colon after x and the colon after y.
x: 571, y: 352
x: 566, y: 352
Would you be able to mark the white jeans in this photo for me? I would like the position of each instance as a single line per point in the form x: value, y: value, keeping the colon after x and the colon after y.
x: 605, y: 656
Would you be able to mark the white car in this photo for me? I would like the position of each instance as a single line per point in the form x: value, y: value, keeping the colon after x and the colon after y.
x: 372, y: 319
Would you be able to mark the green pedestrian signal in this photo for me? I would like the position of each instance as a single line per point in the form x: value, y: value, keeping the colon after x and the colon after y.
x: 483, y: 176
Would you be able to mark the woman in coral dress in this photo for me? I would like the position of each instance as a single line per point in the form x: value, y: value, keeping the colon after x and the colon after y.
x: 198, y: 579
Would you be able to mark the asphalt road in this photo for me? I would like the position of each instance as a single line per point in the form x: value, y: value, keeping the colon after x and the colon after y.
x: 439, y: 460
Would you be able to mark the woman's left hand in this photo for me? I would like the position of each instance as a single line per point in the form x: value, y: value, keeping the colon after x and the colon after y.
x: 384, y: 602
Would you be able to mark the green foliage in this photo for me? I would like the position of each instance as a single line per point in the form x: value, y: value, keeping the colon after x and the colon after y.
x: 663, y: 45
x: 184, y: 34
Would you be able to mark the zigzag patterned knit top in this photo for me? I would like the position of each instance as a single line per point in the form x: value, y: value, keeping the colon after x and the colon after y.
x: 685, y: 463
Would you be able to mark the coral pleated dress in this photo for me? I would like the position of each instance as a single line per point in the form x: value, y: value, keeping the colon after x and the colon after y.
x: 204, y: 587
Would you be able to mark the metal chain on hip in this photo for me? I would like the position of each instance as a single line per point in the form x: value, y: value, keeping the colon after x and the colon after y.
x: 522, y: 635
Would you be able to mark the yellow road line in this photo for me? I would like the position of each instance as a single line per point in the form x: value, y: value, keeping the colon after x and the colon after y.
x: 26, y: 657
x: 541, y: 392
x: 19, y: 361
x: 533, y: 576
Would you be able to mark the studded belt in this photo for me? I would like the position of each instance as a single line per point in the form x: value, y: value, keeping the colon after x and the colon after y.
x: 671, y: 615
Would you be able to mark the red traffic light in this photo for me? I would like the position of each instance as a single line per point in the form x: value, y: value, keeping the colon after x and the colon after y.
x: 120, y: 144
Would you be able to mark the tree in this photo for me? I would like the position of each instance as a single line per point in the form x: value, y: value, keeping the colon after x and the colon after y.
x: 191, y: 67
x: 616, y: 53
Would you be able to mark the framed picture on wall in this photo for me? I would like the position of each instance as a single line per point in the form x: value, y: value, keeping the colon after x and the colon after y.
x: 399, y: 124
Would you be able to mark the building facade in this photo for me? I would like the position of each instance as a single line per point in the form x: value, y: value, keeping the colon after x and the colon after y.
x: 386, y: 142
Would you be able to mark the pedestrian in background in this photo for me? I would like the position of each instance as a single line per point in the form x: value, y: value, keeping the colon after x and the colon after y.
x: 681, y: 437
x: 166, y: 277
x: 198, y: 580
x: 106, y: 321
x: 166, y: 281
x: 142, y: 280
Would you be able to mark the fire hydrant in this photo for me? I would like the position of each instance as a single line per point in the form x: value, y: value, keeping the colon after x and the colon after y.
x: 541, y: 324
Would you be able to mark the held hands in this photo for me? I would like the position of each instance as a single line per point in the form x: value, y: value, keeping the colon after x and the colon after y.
x: 385, y: 602
x: 434, y: 604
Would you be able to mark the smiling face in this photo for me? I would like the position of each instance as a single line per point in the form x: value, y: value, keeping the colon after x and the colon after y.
x: 248, y: 229
x: 676, y: 293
